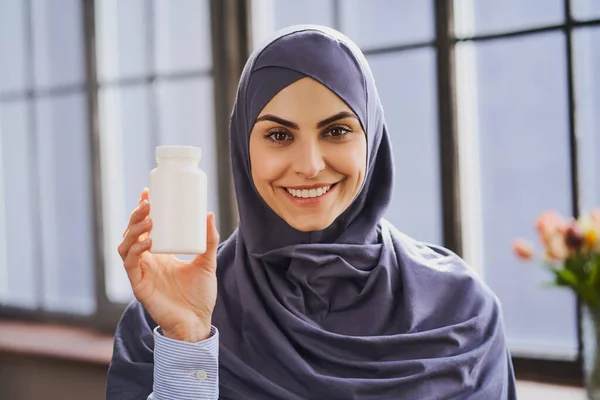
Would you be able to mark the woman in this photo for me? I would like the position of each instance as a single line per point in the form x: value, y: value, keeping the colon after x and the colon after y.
x: 319, y: 297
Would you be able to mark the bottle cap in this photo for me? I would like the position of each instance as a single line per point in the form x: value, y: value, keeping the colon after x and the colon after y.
x: 178, y: 152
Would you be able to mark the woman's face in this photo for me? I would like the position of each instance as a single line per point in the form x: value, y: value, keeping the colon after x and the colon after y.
x: 308, y: 154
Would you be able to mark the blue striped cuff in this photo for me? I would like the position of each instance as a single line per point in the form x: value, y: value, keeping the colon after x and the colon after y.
x: 184, y: 370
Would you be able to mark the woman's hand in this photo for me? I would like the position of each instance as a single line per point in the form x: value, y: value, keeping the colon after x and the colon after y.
x: 180, y: 296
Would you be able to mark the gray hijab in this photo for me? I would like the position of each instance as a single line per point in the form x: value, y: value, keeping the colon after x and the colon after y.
x: 358, y: 310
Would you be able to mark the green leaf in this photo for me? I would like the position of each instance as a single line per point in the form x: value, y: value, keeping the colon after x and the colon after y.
x: 594, y: 272
x: 589, y: 294
x: 576, y: 264
x: 566, y: 277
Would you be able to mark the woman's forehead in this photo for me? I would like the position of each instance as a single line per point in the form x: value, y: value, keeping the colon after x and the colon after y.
x: 305, y: 96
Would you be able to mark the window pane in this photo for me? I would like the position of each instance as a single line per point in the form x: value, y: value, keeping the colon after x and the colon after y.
x: 13, y: 62
x: 127, y: 157
x: 18, y: 269
x: 58, y: 52
x: 293, y: 12
x: 379, y: 23
x: 407, y: 85
x: 585, y: 9
x: 182, y: 35
x: 522, y: 115
x: 121, y: 32
x: 66, y: 204
x: 495, y: 16
x: 186, y: 117
x: 587, y: 64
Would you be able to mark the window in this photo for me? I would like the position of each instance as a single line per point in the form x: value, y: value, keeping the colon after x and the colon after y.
x: 520, y: 68
x: 521, y: 114
x: 500, y: 16
x: 587, y: 84
x: 88, y: 89
x: 46, y: 215
x: 585, y: 9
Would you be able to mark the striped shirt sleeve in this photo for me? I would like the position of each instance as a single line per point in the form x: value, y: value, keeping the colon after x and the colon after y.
x: 185, y: 370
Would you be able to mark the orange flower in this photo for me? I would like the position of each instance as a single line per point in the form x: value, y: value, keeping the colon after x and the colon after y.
x: 523, y: 249
x: 589, y: 225
x: 590, y: 238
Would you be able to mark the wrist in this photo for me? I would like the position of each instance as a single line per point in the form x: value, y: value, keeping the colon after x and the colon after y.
x: 191, y: 333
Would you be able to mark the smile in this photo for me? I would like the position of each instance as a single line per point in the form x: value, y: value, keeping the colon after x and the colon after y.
x: 309, y: 193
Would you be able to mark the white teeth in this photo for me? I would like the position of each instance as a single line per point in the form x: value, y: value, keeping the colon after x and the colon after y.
x: 309, y: 193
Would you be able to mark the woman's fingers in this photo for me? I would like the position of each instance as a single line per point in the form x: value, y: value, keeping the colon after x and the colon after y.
x: 132, y: 261
x: 135, y: 238
x: 140, y: 247
x: 135, y: 233
x: 143, y: 196
x: 138, y: 215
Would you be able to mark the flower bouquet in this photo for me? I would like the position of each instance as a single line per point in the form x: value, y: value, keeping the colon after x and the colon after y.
x: 571, y: 253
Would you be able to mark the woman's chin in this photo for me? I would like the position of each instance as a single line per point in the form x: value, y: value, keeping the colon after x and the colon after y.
x: 309, y: 224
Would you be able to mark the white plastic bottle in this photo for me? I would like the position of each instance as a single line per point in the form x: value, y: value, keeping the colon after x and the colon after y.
x: 177, y: 196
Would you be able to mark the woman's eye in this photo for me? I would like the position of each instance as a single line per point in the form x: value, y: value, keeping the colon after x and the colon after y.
x: 337, y: 132
x: 278, y: 137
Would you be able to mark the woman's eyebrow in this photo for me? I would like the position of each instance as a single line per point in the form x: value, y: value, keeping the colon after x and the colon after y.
x: 273, y: 118
x: 333, y: 118
x: 292, y: 125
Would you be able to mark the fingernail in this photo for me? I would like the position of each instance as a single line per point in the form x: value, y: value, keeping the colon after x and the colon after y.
x: 144, y: 203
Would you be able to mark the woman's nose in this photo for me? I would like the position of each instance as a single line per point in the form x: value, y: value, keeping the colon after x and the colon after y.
x: 308, y: 160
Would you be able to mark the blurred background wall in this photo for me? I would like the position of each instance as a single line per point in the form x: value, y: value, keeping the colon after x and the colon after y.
x: 492, y: 107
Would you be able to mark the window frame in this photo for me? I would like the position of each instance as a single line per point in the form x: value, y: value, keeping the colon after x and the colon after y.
x: 231, y: 23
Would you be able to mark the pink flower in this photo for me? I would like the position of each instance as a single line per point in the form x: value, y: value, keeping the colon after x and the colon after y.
x: 556, y: 248
x: 550, y: 223
x: 523, y: 249
x: 595, y: 215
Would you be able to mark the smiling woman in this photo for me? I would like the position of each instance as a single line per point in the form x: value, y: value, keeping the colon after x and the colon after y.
x: 318, y: 295
x: 308, y: 155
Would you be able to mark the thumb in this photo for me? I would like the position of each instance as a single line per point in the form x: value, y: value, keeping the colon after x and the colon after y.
x: 209, y: 257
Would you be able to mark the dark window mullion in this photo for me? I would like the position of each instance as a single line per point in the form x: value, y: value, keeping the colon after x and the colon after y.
x: 573, y: 151
x: 398, y: 48
x: 532, y: 31
x: 91, y: 82
x: 230, y: 49
x: 448, y: 132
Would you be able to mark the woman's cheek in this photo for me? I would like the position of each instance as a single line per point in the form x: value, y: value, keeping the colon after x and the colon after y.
x: 269, y: 166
